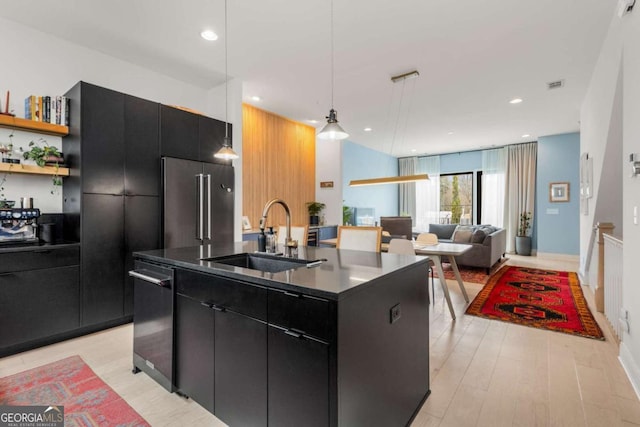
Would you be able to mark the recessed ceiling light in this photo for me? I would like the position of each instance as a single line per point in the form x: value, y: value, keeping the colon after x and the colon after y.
x: 312, y: 121
x: 449, y: 133
x: 413, y: 150
x: 515, y: 101
x: 256, y: 98
x: 209, y: 35
x: 368, y: 129
x: 526, y: 135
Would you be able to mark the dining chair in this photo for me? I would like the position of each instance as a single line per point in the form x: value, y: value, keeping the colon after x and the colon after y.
x: 429, y: 239
x: 359, y: 238
x: 401, y: 246
x: 298, y: 232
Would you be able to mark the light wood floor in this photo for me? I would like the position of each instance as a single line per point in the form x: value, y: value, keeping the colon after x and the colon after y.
x: 483, y: 372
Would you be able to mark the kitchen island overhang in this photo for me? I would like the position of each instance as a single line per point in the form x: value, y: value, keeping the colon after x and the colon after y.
x: 360, y: 318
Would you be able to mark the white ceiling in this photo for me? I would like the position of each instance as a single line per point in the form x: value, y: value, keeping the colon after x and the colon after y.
x: 473, y: 57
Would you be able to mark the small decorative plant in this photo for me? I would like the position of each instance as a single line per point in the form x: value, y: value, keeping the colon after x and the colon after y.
x: 315, y: 208
x: 43, y: 153
x: 347, y: 214
x: 525, y: 224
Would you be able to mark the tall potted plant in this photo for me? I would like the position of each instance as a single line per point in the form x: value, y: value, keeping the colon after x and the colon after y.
x: 314, y: 209
x: 523, y: 240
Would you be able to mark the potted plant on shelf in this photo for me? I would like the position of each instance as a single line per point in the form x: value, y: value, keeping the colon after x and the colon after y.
x: 314, y: 209
x: 45, y: 155
x: 523, y: 240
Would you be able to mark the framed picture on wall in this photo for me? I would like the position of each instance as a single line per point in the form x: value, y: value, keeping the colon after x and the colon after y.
x: 559, y: 192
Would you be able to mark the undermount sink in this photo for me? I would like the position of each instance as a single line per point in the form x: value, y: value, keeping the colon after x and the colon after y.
x: 260, y: 262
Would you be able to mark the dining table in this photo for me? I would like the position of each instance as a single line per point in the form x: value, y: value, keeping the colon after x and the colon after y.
x: 435, y: 252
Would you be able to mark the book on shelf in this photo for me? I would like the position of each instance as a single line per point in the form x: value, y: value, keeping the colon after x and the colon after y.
x: 47, y: 109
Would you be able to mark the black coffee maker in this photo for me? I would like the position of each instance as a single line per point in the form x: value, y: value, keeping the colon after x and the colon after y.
x: 19, y: 226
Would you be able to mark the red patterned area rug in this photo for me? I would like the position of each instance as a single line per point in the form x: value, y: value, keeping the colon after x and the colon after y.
x: 471, y: 274
x: 69, y: 382
x: 543, y: 299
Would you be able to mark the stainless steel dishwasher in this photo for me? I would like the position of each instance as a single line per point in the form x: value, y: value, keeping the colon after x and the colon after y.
x: 153, y: 322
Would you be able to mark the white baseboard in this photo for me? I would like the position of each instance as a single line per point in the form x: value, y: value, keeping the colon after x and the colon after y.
x: 630, y: 367
x: 564, y: 257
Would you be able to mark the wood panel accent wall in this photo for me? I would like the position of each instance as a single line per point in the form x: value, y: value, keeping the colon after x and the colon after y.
x: 278, y: 160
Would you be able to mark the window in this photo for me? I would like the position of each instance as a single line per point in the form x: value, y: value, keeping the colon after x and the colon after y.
x: 456, y: 198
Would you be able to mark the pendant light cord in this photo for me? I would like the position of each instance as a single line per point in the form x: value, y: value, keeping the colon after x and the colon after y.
x: 226, y: 78
x: 332, y: 66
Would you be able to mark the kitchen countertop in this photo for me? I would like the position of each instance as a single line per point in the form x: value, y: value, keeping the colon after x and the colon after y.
x: 38, y: 247
x: 341, y: 275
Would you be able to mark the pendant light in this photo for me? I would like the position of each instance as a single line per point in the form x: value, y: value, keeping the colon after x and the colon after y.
x: 226, y: 152
x: 401, y: 179
x: 332, y: 130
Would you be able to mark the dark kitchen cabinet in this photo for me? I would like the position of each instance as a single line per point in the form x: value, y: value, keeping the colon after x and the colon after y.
x: 195, y: 351
x: 220, y: 349
x: 240, y: 370
x: 102, y: 258
x: 178, y: 133
x: 111, y: 200
x: 39, y: 296
x: 298, y: 379
x: 142, y: 147
x: 189, y: 136
x: 102, y: 128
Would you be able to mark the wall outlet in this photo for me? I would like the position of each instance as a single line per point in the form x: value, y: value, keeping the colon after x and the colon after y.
x: 394, y: 313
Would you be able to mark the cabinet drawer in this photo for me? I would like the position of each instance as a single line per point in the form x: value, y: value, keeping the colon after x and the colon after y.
x: 39, y: 258
x: 230, y: 294
x: 306, y: 314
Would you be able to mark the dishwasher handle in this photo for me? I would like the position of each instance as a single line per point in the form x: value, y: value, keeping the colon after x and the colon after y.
x: 146, y: 275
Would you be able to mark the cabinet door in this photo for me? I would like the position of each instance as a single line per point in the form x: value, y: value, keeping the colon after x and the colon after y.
x: 178, y: 133
x: 141, y: 233
x: 298, y: 380
x: 211, y: 138
x: 102, y: 258
x: 142, y: 147
x: 240, y: 370
x: 221, y: 216
x: 102, y: 140
x: 38, y: 303
x: 195, y: 350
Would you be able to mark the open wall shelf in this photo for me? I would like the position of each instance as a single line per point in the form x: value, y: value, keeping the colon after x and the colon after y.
x: 32, y: 126
x: 33, y: 169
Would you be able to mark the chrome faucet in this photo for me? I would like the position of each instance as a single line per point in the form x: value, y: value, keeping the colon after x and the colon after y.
x: 289, y: 243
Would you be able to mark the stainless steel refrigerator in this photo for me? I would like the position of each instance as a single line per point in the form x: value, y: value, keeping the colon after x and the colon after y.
x: 197, y: 204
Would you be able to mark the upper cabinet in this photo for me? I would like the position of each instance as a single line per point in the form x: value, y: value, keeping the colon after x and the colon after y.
x: 190, y: 136
x: 142, y: 146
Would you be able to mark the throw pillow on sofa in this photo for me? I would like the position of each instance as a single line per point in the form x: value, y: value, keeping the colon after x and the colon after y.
x: 478, y: 236
x: 462, y: 234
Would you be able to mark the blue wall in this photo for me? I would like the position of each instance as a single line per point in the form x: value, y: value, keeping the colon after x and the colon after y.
x: 466, y: 161
x: 558, y: 161
x: 359, y: 162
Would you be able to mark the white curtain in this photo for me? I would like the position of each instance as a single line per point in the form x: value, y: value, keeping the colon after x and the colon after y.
x: 407, y: 202
x: 494, y: 184
x: 522, y: 187
x: 428, y: 193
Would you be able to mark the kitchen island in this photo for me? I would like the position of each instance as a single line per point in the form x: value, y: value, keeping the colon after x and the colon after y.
x: 332, y: 338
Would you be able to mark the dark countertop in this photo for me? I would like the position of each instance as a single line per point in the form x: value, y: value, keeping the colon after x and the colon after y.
x: 38, y: 247
x: 343, y: 272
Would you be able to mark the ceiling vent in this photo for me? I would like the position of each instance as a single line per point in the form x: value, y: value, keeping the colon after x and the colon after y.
x: 555, y: 85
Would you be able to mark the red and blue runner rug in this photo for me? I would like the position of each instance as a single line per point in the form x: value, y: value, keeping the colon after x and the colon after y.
x: 538, y: 298
x: 87, y: 400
